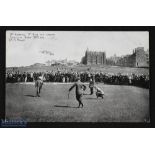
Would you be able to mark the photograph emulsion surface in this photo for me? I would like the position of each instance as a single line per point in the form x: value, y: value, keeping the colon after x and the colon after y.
x: 77, y: 76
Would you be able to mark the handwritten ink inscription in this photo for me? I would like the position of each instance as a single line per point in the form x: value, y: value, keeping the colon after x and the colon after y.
x: 30, y: 36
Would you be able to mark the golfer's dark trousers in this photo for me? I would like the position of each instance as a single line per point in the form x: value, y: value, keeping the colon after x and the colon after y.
x: 79, y: 99
x: 91, y: 90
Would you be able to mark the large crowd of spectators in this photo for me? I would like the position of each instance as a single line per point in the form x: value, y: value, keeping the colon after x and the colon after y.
x: 71, y: 76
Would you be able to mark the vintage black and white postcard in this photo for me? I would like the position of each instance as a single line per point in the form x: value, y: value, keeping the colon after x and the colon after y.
x: 54, y: 76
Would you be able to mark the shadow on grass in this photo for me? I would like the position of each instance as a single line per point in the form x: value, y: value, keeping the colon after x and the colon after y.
x: 64, y: 106
x: 30, y: 95
x: 91, y: 98
x: 86, y: 94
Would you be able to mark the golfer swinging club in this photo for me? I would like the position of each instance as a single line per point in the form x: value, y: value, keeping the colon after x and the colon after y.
x: 79, y: 87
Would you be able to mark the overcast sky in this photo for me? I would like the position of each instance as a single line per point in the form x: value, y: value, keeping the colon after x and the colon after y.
x: 24, y: 47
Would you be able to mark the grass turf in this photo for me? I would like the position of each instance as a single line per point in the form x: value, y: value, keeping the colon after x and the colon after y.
x: 121, y: 104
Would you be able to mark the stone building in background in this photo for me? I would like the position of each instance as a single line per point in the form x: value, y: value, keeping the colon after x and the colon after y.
x: 139, y: 58
x: 94, y: 58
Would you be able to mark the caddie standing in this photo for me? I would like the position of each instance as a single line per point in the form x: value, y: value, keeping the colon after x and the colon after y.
x: 91, y: 85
